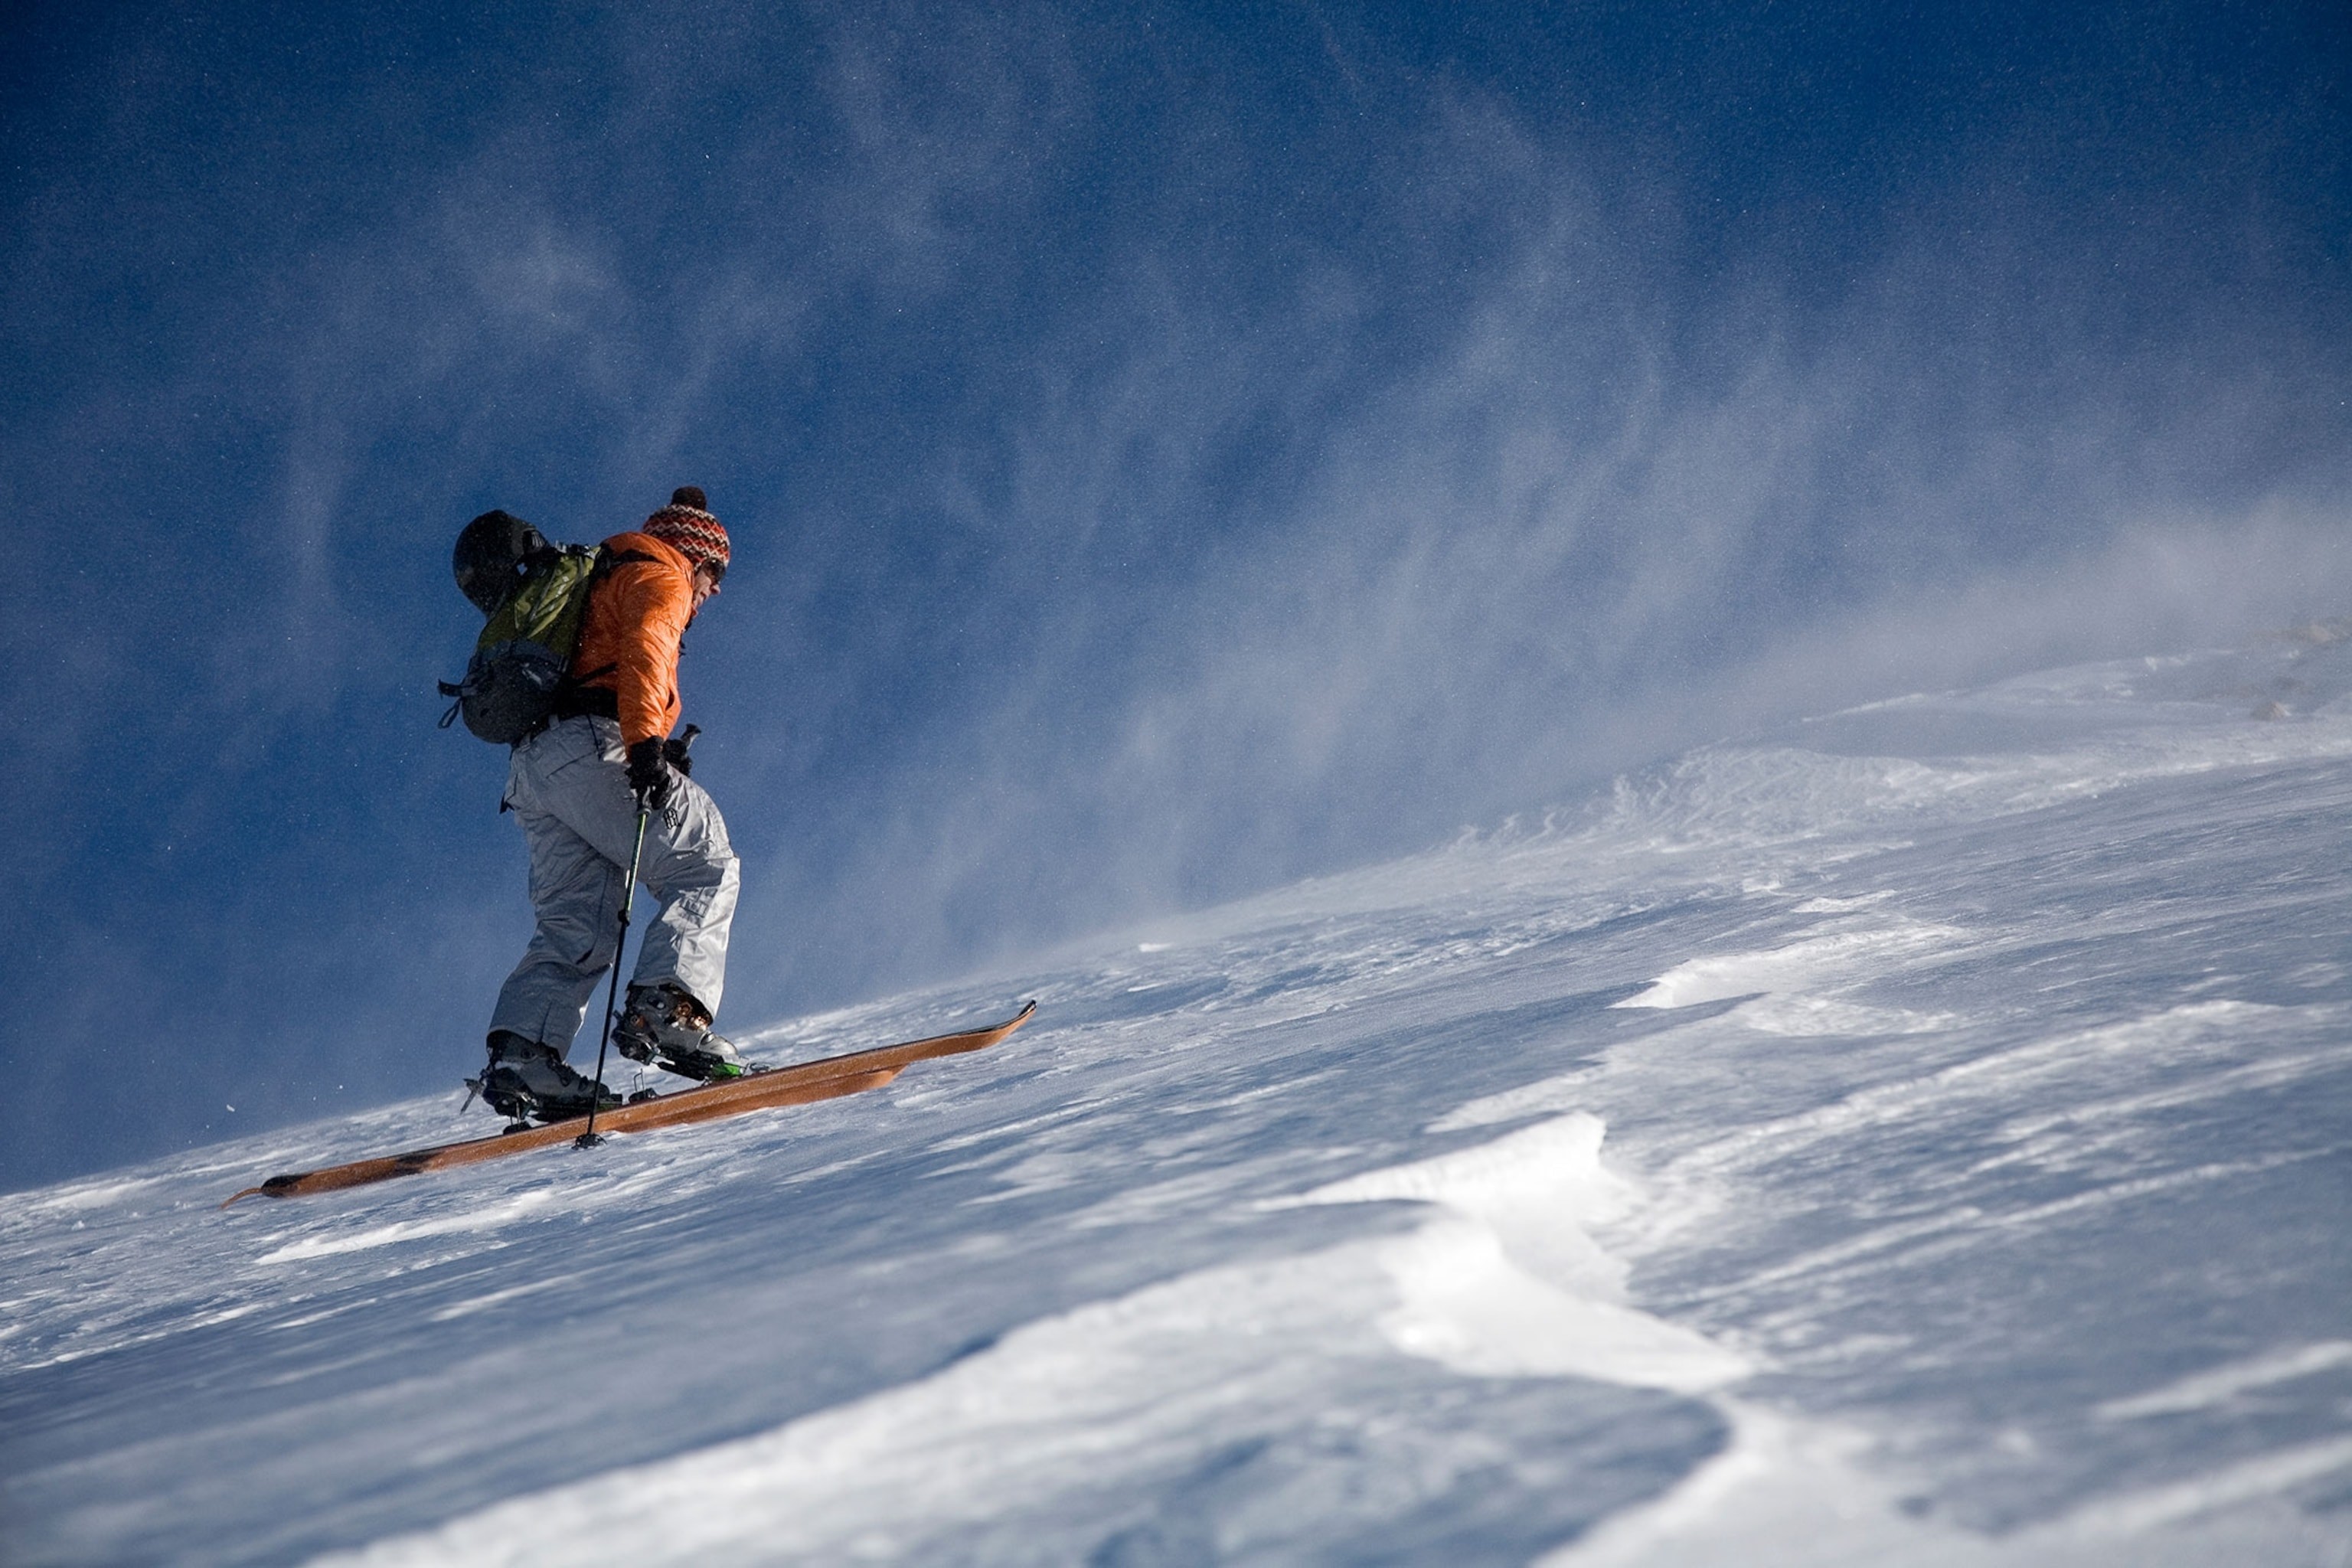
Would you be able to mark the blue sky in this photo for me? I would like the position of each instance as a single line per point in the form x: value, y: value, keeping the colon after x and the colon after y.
x: 1169, y: 450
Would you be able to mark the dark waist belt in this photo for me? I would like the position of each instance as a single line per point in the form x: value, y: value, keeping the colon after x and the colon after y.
x: 593, y: 701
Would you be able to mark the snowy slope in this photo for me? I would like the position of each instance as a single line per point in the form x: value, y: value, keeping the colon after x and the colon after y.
x: 1920, y: 1137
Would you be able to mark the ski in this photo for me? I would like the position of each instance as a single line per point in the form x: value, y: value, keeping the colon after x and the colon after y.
x: 799, y: 1084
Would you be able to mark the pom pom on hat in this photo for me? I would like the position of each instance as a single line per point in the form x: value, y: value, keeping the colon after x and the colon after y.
x: 687, y: 526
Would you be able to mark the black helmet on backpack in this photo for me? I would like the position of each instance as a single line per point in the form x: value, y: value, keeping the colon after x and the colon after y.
x: 492, y: 557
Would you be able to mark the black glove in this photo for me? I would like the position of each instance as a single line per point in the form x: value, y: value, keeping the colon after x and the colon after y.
x: 673, y: 752
x: 651, y: 779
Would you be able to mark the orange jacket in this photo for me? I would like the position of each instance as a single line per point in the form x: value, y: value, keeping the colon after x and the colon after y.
x: 629, y: 636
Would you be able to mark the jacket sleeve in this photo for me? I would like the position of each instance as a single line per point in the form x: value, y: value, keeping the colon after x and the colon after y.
x: 653, y: 602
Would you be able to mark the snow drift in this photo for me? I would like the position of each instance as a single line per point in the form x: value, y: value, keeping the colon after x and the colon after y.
x: 1915, y: 1137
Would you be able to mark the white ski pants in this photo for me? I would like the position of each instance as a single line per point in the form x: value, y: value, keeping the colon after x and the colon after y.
x: 568, y: 787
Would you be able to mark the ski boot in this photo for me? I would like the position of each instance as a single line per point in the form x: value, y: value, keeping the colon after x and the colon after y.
x: 664, y: 1025
x: 526, y: 1079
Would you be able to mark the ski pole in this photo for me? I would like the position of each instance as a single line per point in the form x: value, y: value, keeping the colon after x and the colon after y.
x: 588, y: 1139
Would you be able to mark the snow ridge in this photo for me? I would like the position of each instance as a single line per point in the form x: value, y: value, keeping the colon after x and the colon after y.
x: 1915, y: 1140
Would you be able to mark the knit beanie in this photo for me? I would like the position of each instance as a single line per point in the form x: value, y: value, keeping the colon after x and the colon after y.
x: 687, y: 526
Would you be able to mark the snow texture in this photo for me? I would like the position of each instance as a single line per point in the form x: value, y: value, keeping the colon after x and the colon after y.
x: 1920, y: 1137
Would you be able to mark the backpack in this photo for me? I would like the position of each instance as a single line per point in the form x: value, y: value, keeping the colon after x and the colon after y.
x: 535, y: 596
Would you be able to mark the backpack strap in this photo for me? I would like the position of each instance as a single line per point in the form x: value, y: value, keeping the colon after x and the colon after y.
x: 575, y: 697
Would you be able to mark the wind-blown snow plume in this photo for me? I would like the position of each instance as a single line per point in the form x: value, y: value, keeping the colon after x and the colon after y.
x: 1168, y: 453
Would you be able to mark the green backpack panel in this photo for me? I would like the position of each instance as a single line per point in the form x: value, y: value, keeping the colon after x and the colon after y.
x: 525, y: 651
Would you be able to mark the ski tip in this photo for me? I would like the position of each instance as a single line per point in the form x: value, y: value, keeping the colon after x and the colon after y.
x: 276, y: 1187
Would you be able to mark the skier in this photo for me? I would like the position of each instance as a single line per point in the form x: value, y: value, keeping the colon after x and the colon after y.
x: 577, y: 787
